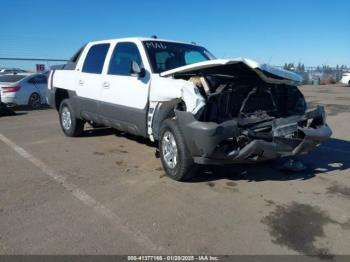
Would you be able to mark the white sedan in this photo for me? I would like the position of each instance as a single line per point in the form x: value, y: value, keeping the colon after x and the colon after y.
x: 23, y: 89
x: 346, y: 78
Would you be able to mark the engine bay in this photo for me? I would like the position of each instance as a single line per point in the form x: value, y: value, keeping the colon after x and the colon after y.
x: 249, y: 100
x: 249, y: 115
x: 258, y: 110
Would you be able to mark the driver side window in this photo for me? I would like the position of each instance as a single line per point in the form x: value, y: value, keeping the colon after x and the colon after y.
x: 122, y: 57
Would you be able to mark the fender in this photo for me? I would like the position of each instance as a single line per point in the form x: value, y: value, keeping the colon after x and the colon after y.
x: 163, y: 111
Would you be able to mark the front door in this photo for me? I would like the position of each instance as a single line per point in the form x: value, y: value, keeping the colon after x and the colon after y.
x: 124, y: 97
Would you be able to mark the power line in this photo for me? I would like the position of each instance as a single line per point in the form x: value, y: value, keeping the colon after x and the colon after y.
x: 33, y: 59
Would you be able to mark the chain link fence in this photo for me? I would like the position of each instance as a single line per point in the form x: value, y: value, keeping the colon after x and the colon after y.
x: 318, y: 74
x: 30, y: 64
x: 311, y: 74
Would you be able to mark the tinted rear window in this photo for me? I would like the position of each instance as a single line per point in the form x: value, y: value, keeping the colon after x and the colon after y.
x: 11, y: 78
x: 95, y: 59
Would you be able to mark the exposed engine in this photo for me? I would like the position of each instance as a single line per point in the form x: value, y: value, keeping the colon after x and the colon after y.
x: 249, y: 115
x: 255, y: 106
x: 249, y: 101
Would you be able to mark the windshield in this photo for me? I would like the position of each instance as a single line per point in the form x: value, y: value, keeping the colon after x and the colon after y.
x: 11, y: 78
x: 165, y: 56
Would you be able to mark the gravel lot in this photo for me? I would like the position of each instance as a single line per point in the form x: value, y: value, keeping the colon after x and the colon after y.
x: 106, y: 193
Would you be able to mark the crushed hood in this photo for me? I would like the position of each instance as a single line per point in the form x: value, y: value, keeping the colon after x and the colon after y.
x: 268, y: 73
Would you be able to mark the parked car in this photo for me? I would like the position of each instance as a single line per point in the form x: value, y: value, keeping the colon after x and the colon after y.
x: 23, y: 89
x: 199, y: 109
x: 4, y: 71
x: 345, y: 78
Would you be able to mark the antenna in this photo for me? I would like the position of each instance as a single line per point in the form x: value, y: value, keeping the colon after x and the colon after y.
x: 154, y: 36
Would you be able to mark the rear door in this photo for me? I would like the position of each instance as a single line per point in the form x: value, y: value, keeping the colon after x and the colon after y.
x: 89, y: 81
x: 124, y: 97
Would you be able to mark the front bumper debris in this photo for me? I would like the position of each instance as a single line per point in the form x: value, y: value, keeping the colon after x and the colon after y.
x: 212, y: 143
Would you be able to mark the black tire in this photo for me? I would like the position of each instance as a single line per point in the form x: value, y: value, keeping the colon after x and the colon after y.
x: 76, y: 126
x: 34, y: 101
x: 185, y: 168
x: 5, y: 111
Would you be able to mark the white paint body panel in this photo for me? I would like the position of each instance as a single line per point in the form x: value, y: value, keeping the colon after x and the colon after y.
x: 122, y: 90
x: 287, y: 76
x: 166, y: 89
x: 64, y: 79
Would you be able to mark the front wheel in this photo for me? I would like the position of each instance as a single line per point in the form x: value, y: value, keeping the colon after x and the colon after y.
x: 70, y: 125
x: 176, y: 159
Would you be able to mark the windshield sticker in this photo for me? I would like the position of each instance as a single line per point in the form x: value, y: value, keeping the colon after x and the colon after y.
x: 156, y: 45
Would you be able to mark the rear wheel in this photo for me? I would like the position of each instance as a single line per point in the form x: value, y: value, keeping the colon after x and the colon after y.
x: 34, y: 101
x: 70, y: 125
x: 176, y: 159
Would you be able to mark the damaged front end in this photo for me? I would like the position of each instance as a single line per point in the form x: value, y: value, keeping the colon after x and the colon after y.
x: 249, y: 115
x: 230, y: 142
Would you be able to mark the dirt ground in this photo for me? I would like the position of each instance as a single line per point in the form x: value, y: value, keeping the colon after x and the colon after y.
x: 106, y: 193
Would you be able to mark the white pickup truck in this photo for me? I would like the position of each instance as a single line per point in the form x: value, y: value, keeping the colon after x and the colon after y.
x: 200, y: 110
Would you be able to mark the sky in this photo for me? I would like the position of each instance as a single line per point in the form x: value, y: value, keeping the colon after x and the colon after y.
x: 271, y: 31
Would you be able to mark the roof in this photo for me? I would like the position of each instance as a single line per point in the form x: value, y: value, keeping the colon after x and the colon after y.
x: 141, y: 39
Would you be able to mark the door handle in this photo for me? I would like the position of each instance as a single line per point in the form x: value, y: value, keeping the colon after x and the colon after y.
x: 105, y: 85
x: 81, y: 82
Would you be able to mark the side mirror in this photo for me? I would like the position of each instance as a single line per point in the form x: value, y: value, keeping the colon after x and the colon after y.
x: 137, y: 71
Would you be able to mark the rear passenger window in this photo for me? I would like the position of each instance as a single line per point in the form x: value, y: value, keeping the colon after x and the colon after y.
x: 123, y: 54
x: 95, y: 59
